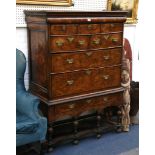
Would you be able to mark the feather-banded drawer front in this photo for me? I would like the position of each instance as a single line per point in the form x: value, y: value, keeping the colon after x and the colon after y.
x: 84, y: 42
x: 82, y: 60
x: 79, y: 82
x: 80, y: 106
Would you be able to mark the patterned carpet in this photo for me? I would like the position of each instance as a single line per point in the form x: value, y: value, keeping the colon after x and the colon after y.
x: 109, y: 144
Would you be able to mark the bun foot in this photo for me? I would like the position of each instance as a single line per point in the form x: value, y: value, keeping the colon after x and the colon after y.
x: 98, y: 136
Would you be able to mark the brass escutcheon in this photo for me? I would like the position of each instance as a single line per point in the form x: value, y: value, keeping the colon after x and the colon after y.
x: 88, y: 53
x: 70, y: 39
x: 71, y: 106
x: 70, y: 82
x: 106, y: 36
x: 88, y: 101
x: 88, y: 72
x: 105, y: 99
x: 106, y: 77
x: 106, y: 57
x: 70, y: 61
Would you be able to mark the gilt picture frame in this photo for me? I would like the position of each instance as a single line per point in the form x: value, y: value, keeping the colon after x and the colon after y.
x: 125, y: 5
x: 46, y: 2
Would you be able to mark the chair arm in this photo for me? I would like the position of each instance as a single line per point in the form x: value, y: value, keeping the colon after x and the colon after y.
x: 27, y: 104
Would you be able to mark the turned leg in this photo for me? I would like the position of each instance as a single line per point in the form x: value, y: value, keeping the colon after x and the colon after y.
x: 50, y: 136
x: 76, y: 123
x: 98, y: 124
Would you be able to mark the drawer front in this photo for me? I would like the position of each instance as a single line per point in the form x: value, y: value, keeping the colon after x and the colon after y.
x: 63, y: 29
x: 80, y: 106
x: 111, y: 27
x: 88, y: 28
x: 84, y: 42
x: 105, y: 41
x: 82, y: 60
x: 79, y: 82
x: 69, y: 43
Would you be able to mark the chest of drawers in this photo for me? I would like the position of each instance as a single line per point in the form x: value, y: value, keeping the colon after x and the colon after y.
x: 76, y: 64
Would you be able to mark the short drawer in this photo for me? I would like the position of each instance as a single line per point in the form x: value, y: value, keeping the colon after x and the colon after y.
x: 81, y: 60
x: 88, y: 28
x: 63, y: 29
x: 79, y: 82
x: 111, y: 27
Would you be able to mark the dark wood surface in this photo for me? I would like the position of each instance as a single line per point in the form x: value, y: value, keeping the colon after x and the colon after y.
x: 75, y: 63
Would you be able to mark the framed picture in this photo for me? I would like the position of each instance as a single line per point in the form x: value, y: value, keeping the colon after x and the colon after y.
x: 46, y: 2
x: 125, y: 5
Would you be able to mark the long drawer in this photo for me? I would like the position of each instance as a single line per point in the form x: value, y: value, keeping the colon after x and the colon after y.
x: 84, y: 42
x: 80, y: 106
x: 81, y: 60
x: 79, y: 82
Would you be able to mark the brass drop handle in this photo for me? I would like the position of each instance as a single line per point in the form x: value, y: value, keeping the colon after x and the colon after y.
x: 106, y: 57
x: 96, y: 42
x: 114, y: 40
x: 70, y: 82
x: 88, y: 53
x: 70, y: 61
x: 106, y: 77
x: 105, y: 99
x: 81, y: 42
x: 70, y: 39
x: 59, y: 43
x: 89, y: 101
x: 71, y: 106
x: 88, y: 72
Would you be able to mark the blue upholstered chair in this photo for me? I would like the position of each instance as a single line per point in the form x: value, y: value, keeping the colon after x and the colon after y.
x: 30, y: 125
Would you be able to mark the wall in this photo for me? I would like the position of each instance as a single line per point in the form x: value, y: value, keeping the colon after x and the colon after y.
x: 97, y: 5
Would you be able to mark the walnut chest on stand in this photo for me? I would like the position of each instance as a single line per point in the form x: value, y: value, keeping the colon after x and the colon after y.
x: 77, y: 69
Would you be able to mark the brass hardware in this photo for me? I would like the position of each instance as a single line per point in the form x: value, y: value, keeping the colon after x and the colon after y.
x: 70, y: 39
x: 106, y: 57
x: 90, y: 26
x: 81, y: 42
x: 106, y: 77
x: 88, y: 72
x: 59, y: 43
x: 105, y: 99
x: 96, y: 41
x: 70, y: 82
x: 70, y: 61
x: 71, y: 106
x: 114, y: 39
x: 88, y: 101
x: 88, y: 53
x: 106, y: 36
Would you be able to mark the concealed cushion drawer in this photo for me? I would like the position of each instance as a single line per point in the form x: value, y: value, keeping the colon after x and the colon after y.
x: 111, y: 27
x: 84, y: 42
x: 63, y: 29
x: 79, y: 82
x: 78, y: 107
x: 81, y: 60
